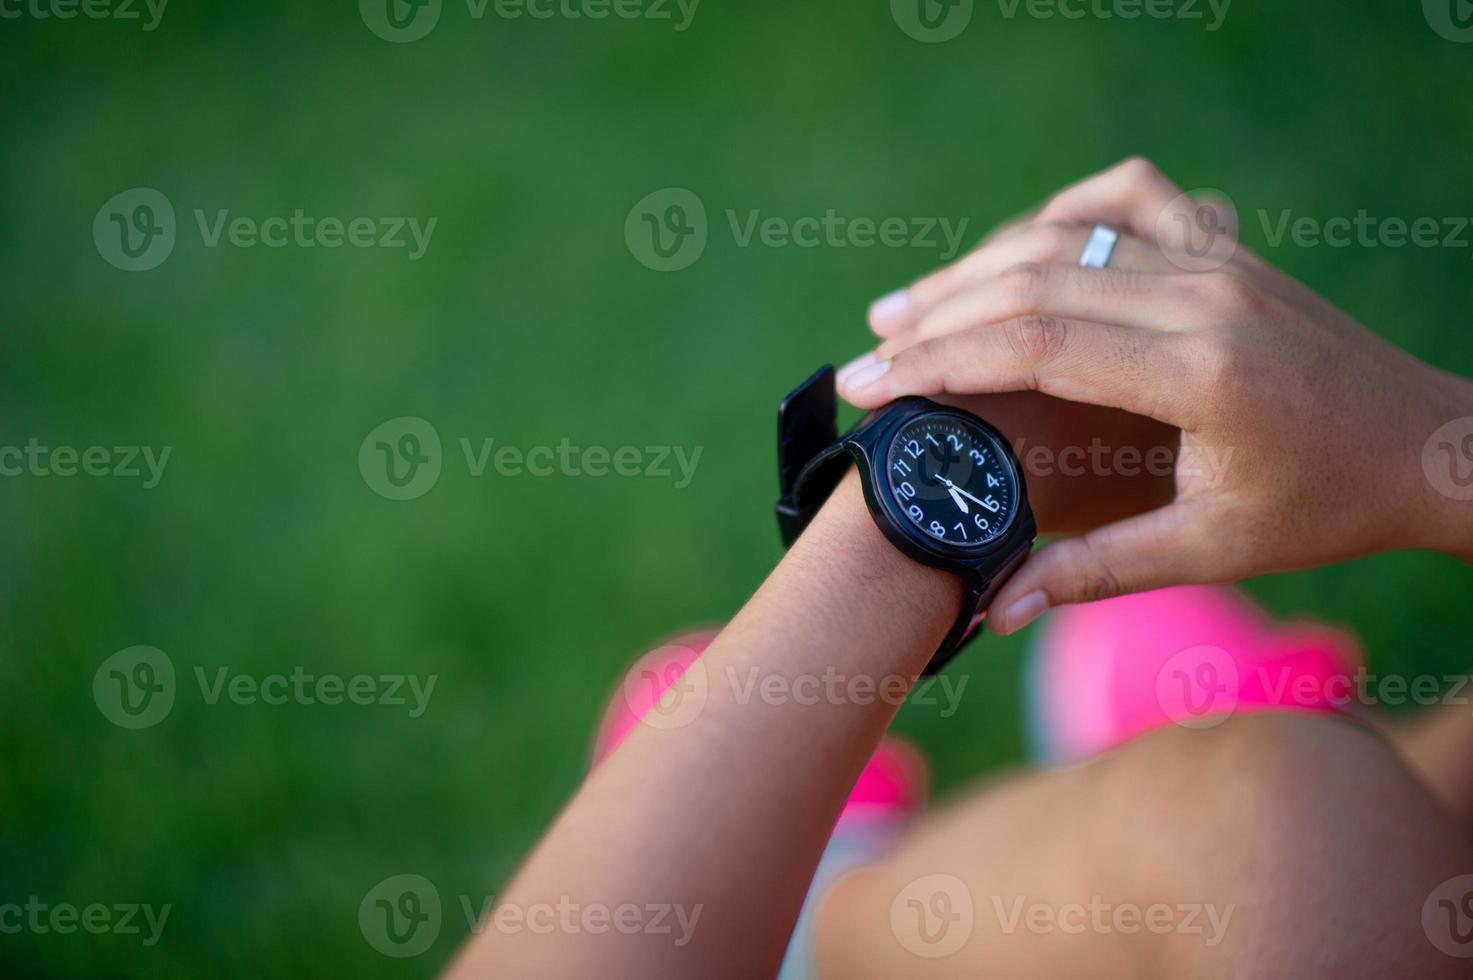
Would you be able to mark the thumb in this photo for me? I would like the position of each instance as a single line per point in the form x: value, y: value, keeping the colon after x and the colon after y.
x: 1150, y: 551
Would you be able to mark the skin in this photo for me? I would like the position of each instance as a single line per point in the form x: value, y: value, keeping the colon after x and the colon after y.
x: 732, y: 810
x: 1313, y: 843
x: 1300, y: 433
x: 1435, y: 745
x: 729, y: 812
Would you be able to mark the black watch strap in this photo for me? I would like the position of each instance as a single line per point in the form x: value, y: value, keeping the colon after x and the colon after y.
x: 806, y: 430
x: 974, y: 607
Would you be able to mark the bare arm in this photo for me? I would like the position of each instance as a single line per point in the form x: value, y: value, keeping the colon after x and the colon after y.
x: 726, y: 816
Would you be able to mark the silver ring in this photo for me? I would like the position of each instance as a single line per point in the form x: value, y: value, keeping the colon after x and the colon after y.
x: 1097, y: 250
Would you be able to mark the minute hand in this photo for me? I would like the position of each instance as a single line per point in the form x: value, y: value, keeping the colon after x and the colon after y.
x: 956, y: 489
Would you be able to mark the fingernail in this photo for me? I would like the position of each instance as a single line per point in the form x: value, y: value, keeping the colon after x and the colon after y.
x: 867, y: 375
x: 861, y: 361
x: 1024, y: 611
x: 889, y: 308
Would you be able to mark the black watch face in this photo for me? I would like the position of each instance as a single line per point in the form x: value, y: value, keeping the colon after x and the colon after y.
x: 948, y: 478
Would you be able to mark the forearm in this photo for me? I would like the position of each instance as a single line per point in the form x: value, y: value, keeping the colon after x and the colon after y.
x: 726, y: 816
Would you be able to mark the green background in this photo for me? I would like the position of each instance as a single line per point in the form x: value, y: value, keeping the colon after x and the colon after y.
x: 528, y: 321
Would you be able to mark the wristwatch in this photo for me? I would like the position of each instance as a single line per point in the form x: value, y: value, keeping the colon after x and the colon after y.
x: 941, y: 484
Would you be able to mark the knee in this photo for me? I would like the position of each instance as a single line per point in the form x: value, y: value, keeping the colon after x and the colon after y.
x: 1310, y: 831
x: 1258, y: 756
x: 1272, y: 791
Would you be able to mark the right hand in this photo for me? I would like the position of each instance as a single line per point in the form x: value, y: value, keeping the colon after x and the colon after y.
x: 1301, y: 432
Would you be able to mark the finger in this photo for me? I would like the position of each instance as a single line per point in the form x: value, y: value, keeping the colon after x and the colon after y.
x: 1129, y: 196
x: 1197, y: 234
x: 1012, y: 224
x: 1047, y: 242
x: 892, y: 311
x: 1108, y: 295
x: 1142, y: 371
x: 1152, y: 551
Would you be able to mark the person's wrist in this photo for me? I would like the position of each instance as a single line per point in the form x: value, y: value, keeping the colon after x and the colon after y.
x: 846, y: 571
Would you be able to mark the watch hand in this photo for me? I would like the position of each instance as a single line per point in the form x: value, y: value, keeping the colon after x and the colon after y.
x: 957, y: 499
x: 958, y: 490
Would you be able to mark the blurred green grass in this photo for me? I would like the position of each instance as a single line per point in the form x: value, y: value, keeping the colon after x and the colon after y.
x: 528, y: 321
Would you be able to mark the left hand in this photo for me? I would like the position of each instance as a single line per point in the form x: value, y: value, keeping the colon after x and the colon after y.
x: 1322, y: 421
x: 1070, y: 491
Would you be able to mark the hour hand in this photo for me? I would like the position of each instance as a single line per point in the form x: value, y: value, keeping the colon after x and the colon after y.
x: 957, y: 498
x: 955, y: 489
